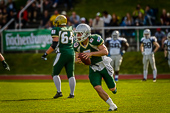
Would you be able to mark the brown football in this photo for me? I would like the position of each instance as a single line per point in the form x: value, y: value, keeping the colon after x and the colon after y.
x: 85, y: 61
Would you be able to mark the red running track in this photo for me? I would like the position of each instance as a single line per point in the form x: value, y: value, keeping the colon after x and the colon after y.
x: 78, y: 77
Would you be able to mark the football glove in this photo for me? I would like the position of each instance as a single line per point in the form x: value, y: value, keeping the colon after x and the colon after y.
x: 44, y: 56
x: 5, y: 65
x: 166, y: 58
x: 122, y: 52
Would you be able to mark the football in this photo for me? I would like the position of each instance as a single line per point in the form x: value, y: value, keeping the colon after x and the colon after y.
x: 85, y: 61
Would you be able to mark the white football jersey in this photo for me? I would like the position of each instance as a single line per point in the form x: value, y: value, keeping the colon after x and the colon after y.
x: 148, y: 44
x: 167, y: 43
x: 115, y: 45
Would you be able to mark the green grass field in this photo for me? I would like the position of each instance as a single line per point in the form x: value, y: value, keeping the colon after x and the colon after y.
x: 36, y: 96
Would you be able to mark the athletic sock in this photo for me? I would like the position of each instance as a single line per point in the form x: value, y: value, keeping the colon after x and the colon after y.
x: 145, y: 72
x: 111, y: 104
x: 116, y: 77
x: 154, y: 73
x: 72, y: 84
x: 57, y: 82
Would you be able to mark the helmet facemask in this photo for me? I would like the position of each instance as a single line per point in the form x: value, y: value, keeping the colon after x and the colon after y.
x: 115, y: 35
x: 82, y: 31
x: 146, y: 33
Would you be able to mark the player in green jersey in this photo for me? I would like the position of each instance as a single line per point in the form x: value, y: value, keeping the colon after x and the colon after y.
x: 93, y: 46
x: 63, y: 44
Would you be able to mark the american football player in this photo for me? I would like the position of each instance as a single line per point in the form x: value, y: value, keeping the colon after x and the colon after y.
x: 167, y: 49
x: 62, y: 43
x: 147, y: 48
x: 116, y: 45
x: 4, y: 63
x: 93, y: 46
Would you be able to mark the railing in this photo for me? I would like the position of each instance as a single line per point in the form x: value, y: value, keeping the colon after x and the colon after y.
x: 3, y: 30
x: 23, y: 11
x: 7, y: 25
x: 137, y: 28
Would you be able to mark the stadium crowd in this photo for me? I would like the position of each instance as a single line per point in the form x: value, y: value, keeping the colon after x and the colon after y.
x: 147, y: 16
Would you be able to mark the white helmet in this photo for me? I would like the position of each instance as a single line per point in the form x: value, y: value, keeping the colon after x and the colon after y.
x: 146, y: 33
x: 168, y: 36
x: 83, y: 31
x: 115, y: 35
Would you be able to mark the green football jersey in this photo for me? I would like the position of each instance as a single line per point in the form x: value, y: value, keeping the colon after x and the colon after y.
x: 94, y: 41
x: 65, y: 43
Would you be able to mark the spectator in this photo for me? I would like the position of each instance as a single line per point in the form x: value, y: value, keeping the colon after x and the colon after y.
x: 106, y: 18
x: 45, y: 19
x: 114, y: 21
x: 55, y: 3
x: 53, y: 17
x: 10, y: 16
x: 167, y: 23
x: 74, y: 19
x: 83, y: 20
x: 163, y: 17
x: 47, y: 5
x: 149, y: 16
x: 68, y: 4
x: 139, y: 21
x: 138, y: 11
x: 160, y: 35
x: 24, y: 18
x: 65, y: 14
x: 98, y: 22
x: 11, y: 6
x: 2, y: 4
x: 127, y: 21
x: 32, y: 12
x: 90, y: 22
x: 5, y: 14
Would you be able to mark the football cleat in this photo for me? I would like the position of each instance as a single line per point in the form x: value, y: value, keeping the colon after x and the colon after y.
x: 116, y: 79
x: 144, y: 79
x: 59, y: 94
x: 154, y: 79
x: 70, y: 96
x: 113, y: 108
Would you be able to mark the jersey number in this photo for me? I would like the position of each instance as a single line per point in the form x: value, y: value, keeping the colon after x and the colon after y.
x: 147, y: 45
x: 115, y: 45
x: 65, y: 37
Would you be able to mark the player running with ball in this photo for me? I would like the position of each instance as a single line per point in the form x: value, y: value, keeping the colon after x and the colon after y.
x: 93, y: 46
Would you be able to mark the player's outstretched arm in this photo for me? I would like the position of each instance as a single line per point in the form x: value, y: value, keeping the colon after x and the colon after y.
x: 51, y: 48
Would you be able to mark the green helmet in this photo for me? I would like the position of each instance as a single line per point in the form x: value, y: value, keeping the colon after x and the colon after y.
x: 60, y: 20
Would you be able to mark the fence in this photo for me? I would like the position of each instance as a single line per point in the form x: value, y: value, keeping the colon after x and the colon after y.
x: 132, y: 33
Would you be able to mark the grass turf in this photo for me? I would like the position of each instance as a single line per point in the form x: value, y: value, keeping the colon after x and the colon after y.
x: 31, y: 63
x: 36, y: 96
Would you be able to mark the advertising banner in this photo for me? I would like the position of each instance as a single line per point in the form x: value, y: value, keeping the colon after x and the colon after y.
x: 26, y: 40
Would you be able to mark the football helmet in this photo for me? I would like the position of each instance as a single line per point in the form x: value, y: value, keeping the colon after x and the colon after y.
x: 115, y: 35
x: 60, y: 20
x: 168, y: 36
x: 83, y: 31
x: 147, y: 33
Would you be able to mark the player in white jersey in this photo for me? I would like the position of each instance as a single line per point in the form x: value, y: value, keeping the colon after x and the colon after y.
x: 115, y: 45
x: 147, y: 44
x: 167, y: 49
